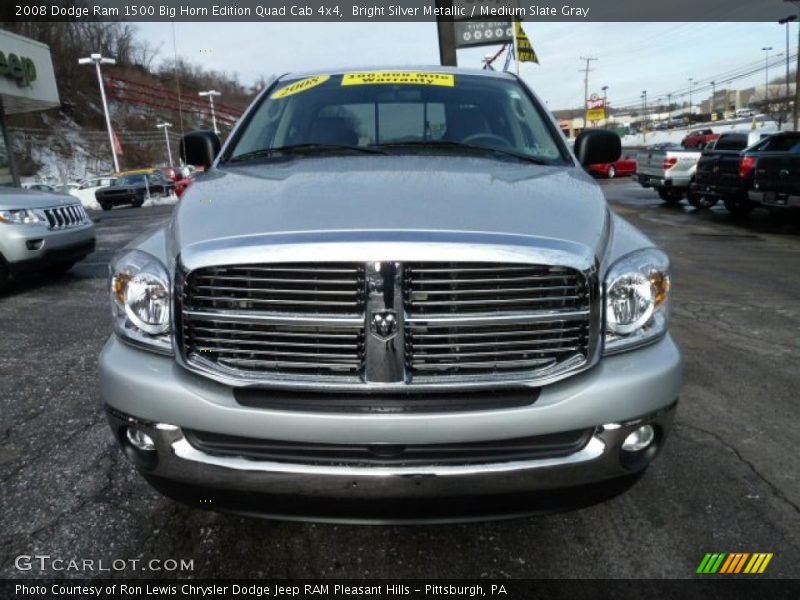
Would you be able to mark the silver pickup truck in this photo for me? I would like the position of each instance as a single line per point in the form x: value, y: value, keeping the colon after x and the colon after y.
x: 394, y: 294
x: 670, y: 170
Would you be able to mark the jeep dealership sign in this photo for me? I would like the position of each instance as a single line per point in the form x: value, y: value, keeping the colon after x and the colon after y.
x: 27, y: 80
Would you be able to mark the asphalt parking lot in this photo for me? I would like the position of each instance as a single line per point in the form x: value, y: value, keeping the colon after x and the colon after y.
x: 726, y: 481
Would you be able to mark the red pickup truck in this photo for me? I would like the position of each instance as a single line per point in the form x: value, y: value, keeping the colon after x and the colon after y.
x: 699, y: 138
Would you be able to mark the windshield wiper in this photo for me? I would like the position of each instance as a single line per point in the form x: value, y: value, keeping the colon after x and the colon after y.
x: 462, y: 146
x: 311, y: 148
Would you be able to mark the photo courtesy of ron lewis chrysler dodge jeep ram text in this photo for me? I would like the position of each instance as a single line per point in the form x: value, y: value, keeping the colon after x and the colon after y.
x: 394, y: 294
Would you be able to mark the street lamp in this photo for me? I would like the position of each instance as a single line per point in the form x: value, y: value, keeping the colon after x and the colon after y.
x: 165, y: 126
x: 766, y: 71
x: 605, y: 101
x: 98, y: 60
x: 210, y: 94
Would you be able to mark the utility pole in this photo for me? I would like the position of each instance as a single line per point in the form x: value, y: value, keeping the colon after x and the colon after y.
x: 211, y: 94
x: 165, y: 126
x: 713, y: 98
x: 605, y: 102
x: 669, y: 110
x: 691, y: 80
x: 586, y: 72
x: 766, y: 51
x: 644, y: 116
x: 786, y: 21
x: 98, y: 60
x: 446, y: 29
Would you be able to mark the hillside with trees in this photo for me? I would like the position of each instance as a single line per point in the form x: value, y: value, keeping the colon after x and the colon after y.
x: 144, y: 88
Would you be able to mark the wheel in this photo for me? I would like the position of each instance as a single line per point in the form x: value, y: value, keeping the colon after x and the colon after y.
x: 669, y: 195
x: 137, y: 203
x: 105, y: 206
x: 3, y: 275
x: 700, y: 146
x: 59, y: 268
x: 738, y: 206
x: 612, y: 172
x: 700, y: 201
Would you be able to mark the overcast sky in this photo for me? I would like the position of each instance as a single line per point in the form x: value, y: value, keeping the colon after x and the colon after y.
x: 657, y: 57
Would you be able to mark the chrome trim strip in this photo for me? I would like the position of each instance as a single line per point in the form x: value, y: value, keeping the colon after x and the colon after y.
x: 185, y: 451
x: 387, y: 245
x: 278, y: 319
x: 444, y: 320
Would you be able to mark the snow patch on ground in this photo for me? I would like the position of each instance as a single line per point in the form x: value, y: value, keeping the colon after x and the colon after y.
x: 88, y: 201
x: 674, y: 136
x: 159, y: 201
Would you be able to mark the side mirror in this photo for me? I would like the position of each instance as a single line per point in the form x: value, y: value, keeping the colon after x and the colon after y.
x: 200, y: 148
x: 597, y: 146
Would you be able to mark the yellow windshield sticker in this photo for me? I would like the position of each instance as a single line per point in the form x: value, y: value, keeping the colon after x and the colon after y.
x: 401, y: 77
x: 300, y: 86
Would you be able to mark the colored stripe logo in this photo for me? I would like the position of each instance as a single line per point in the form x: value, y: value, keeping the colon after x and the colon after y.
x: 734, y: 563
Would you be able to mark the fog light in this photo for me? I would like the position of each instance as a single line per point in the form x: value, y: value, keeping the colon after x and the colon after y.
x: 639, y: 439
x: 139, y: 439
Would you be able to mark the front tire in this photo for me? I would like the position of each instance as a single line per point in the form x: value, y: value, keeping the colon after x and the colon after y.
x: 4, y: 275
x: 738, y: 206
x: 105, y: 206
x: 700, y: 201
x: 669, y: 195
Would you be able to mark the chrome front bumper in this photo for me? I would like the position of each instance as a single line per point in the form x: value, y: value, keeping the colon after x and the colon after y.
x: 369, y: 493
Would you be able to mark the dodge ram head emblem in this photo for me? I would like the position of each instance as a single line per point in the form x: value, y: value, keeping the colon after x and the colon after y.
x: 383, y: 324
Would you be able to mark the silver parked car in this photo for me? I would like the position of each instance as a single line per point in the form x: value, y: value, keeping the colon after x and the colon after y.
x: 39, y: 231
x: 393, y: 294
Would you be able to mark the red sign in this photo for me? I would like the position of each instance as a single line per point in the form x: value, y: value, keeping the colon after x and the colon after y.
x: 595, y: 101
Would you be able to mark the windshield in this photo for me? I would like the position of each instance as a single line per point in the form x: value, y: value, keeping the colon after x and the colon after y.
x: 131, y: 180
x: 400, y: 112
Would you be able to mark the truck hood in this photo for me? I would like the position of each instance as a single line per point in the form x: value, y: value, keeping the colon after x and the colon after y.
x: 420, y: 198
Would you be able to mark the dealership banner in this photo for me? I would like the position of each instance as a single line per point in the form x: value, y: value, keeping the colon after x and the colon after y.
x: 396, y: 10
x: 406, y: 589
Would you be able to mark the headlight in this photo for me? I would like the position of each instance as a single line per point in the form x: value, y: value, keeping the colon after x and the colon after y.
x: 637, y: 297
x: 140, y: 300
x: 21, y: 216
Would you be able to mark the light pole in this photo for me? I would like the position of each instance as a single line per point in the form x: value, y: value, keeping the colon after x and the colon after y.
x: 165, y: 126
x: 98, y: 60
x: 211, y: 94
x: 605, y: 101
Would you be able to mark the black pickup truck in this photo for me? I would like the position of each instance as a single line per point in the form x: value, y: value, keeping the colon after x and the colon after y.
x: 776, y: 184
x: 726, y: 172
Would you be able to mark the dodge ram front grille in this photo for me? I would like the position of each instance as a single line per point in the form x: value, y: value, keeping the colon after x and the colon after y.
x: 64, y: 217
x: 401, y: 325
